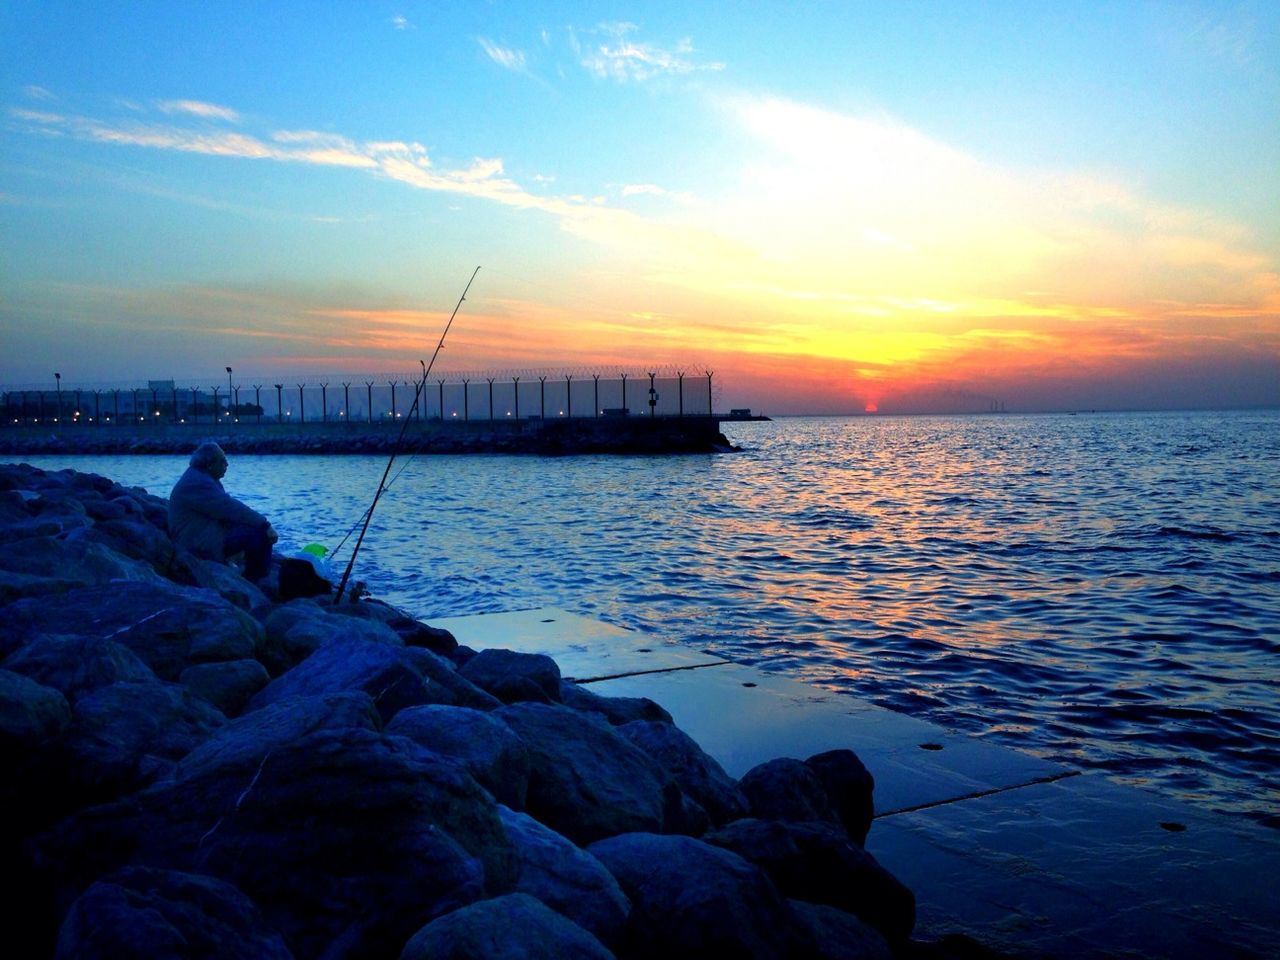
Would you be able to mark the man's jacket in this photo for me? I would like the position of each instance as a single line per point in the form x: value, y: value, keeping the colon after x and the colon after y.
x: 201, y: 512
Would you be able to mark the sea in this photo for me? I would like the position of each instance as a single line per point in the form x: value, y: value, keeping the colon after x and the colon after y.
x: 1100, y: 589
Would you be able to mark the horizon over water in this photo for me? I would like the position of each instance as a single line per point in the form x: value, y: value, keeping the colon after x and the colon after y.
x: 1101, y: 590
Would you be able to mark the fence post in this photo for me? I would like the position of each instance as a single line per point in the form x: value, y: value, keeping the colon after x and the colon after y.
x: 324, y: 403
x: 653, y: 395
x: 393, y: 400
x: 346, y: 401
x: 515, y: 388
x: 466, y: 413
x: 490, y: 379
x: 440, y: 383
x: 710, y: 402
x: 624, y: 391
x: 543, y: 381
x: 680, y: 390
x: 596, y: 378
x: 302, y: 406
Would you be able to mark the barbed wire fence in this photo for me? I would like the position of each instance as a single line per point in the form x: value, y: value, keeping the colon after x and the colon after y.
x: 511, y: 394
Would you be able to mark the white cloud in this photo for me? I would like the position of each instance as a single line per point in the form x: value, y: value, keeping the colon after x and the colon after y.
x: 620, y: 58
x: 653, y: 190
x: 503, y: 56
x: 38, y: 93
x: 401, y: 22
x: 197, y: 108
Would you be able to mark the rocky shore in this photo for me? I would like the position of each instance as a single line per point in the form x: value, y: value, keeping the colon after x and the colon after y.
x: 194, y: 768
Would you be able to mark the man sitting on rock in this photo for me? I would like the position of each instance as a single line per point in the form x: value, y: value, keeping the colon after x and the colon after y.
x: 211, y: 523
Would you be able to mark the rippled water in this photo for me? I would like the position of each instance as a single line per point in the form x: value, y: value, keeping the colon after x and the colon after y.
x: 1100, y: 590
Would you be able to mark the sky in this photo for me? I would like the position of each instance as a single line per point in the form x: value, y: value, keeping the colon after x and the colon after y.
x: 836, y: 207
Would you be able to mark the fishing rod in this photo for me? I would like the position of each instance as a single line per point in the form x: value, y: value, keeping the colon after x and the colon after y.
x: 382, y: 484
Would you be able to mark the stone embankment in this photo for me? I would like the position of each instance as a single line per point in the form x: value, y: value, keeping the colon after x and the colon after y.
x: 617, y: 435
x: 193, y: 768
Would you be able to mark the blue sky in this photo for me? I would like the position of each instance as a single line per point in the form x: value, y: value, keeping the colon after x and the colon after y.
x: 838, y: 206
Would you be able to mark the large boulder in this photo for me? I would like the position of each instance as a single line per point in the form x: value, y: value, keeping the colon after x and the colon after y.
x: 31, y: 715
x: 850, y: 788
x: 40, y: 565
x: 586, y: 781
x: 513, y: 927
x: 566, y: 878
x: 697, y: 773
x: 223, y: 579
x: 248, y: 740
x: 77, y: 665
x: 513, y: 677
x: 168, y: 626
x: 148, y: 914
x: 787, y: 789
x: 394, y: 675
x: 126, y: 734
x: 228, y: 685
x: 617, y: 710
x: 347, y: 840
x: 819, y: 863
x: 484, y: 745
x: 690, y: 899
x: 296, y: 630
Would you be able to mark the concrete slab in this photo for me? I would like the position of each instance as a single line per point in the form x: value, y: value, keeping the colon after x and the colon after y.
x: 743, y: 717
x: 583, y: 648
x: 1020, y: 853
x: 1084, y: 868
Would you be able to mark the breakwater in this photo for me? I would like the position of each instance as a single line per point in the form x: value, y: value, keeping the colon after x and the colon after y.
x: 622, y: 435
x: 192, y: 761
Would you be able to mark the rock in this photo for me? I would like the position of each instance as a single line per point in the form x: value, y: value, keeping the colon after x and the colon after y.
x: 513, y: 677
x: 31, y: 715
x: 786, y: 789
x: 167, y: 626
x: 513, y: 927
x: 224, y: 580
x: 125, y: 734
x: 417, y: 634
x: 566, y: 878
x: 690, y: 899
x: 247, y: 740
x: 41, y: 565
x: 838, y: 935
x: 850, y: 788
x: 228, y: 685
x: 483, y: 744
x: 144, y: 913
x: 586, y: 781
x: 138, y: 538
x: 299, y: 628
x: 819, y: 863
x: 77, y: 665
x: 348, y: 841
x: 395, y: 676
x: 697, y: 773
x: 617, y: 710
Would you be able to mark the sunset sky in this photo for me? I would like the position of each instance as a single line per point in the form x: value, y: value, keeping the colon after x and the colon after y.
x: 836, y: 207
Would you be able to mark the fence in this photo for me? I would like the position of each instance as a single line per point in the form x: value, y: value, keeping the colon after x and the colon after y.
x: 459, y: 397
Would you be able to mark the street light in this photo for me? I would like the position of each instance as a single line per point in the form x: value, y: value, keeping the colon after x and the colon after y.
x: 58, y: 379
x: 228, y: 391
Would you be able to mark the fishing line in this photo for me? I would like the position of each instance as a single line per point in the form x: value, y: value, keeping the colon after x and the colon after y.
x: 382, y: 484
